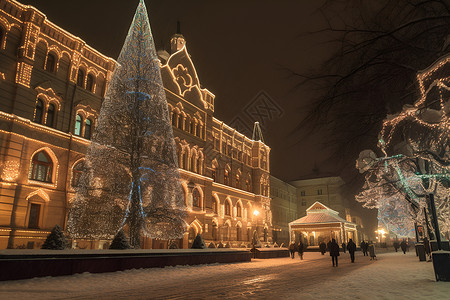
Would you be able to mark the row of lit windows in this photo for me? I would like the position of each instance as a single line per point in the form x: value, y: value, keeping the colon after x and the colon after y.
x: 319, y: 192
x: 228, y: 150
x: 196, y: 202
x: 50, y: 66
x: 186, y: 124
x: 227, y: 180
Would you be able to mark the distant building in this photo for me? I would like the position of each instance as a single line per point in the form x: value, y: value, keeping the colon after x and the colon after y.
x: 326, y: 190
x: 284, y: 207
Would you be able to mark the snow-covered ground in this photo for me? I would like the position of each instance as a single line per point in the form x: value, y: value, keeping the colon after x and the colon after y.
x: 392, y: 276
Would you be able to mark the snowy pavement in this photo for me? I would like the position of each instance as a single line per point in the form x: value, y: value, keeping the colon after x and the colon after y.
x: 392, y: 276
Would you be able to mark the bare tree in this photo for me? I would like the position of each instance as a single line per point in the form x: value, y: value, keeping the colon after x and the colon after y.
x: 378, y: 48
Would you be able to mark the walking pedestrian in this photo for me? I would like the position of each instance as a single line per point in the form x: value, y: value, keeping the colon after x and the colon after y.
x: 300, y: 249
x: 292, y: 249
x: 396, y: 245
x: 322, y: 247
x: 334, y: 252
x: 351, y: 246
x: 403, y: 245
x: 343, y: 246
x: 371, y: 248
x: 364, y: 248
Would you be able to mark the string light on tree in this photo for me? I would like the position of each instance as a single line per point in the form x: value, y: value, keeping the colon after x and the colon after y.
x: 131, y: 177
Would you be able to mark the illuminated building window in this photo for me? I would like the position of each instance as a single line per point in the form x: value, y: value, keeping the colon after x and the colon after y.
x: 51, y: 63
x: 78, y: 123
x: 238, y: 210
x: 80, y: 78
x: 227, y: 208
x: 50, y: 115
x: 90, y: 82
x: 196, y: 198
x: 213, y: 174
x: 77, y: 171
x: 41, y: 167
x: 247, y: 185
x: 226, y: 178
x: 88, y: 129
x: 238, y: 181
x: 39, y: 111
x: 33, y: 219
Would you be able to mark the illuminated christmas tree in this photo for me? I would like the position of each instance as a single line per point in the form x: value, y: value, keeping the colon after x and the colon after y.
x: 131, y: 177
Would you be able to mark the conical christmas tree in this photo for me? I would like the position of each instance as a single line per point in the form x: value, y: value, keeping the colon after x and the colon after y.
x: 131, y: 177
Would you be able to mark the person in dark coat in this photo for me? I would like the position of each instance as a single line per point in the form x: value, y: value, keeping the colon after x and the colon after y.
x: 403, y: 245
x: 351, y: 246
x: 396, y: 245
x: 364, y: 247
x: 328, y: 246
x: 343, y: 246
x: 300, y: 249
x: 334, y: 252
x: 292, y: 249
x: 323, y: 248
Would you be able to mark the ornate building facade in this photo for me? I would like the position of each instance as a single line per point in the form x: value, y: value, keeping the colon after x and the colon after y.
x: 52, y: 85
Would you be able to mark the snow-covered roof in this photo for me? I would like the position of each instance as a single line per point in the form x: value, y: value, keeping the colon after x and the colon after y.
x: 318, y: 213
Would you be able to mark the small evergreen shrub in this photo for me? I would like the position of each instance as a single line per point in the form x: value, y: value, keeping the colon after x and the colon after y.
x: 120, y: 241
x: 198, y: 242
x: 55, y: 240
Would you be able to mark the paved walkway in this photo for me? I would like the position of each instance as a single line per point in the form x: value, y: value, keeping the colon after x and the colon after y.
x: 280, y: 278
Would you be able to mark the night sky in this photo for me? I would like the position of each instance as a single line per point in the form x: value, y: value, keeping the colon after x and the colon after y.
x: 239, y: 49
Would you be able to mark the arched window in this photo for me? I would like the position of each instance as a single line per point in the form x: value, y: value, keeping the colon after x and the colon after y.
x: 215, y: 232
x: 227, y: 208
x: 196, y: 198
x: 51, y: 63
x: 90, y: 82
x: 180, y: 122
x: 39, y: 111
x: 186, y: 124
x: 77, y: 171
x: 185, y: 160
x: 50, y: 115
x: 191, y: 127
x: 87, y: 129
x: 247, y: 185
x: 198, y: 166
x: 197, y: 130
x: 226, y: 178
x: 239, y: 210
x: 193, y: 163
x: 238, y: 181
x: 215, y: 206
x: 238, y: 233
x: 213, y: 173
x: 78, y: 123
x: 80, y: 78
x: 41, y: 167
x: 174, y: 119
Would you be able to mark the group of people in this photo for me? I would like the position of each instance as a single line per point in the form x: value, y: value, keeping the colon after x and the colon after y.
x: 297, y: 247
x: 403, y: 245
x: 333, y: 247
